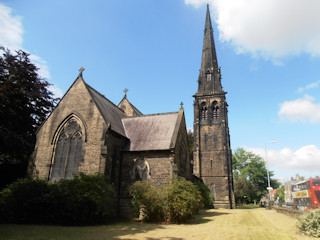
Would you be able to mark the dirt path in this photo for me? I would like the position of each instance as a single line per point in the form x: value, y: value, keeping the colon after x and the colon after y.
x: 246, y: 224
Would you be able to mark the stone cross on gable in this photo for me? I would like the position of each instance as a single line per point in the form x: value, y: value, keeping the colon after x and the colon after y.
x: 181, y: 104
x: 81, y: 70
x: 125, y: 92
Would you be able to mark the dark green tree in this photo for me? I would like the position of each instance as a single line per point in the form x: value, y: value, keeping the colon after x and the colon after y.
x: 250, y: 176
x: 25, y: 101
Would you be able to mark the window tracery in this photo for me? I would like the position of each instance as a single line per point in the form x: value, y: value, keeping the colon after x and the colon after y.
x: 68, y: 151
x: 215, y: 110
x: 204, y: 111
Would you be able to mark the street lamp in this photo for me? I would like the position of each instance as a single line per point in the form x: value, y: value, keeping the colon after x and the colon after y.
x: 269, y: 188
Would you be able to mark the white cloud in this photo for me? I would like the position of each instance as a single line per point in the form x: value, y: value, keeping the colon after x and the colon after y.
x: 309, y: 86
x: 11, y: 36
x: 10, y: 28
x: 270, y: 29
x: 57, y: 92
x: 306, y: 158
x: 42, y: 65
x: 196, y: 3
x: 302, y: 109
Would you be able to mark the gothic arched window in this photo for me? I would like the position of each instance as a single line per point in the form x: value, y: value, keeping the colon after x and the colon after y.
x: 68, y: 151
x: 204, y: 111
x: 215, y: 110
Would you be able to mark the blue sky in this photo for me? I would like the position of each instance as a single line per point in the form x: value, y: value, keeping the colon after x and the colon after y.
x: 269, y: 53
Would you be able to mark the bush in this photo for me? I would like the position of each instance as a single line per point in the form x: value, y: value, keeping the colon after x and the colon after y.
x: 27, y: 201
x: 309, y: 223
x: 85, y: 199
x: 182, y: 201
x: 207, y: 197
x: 148, y: 201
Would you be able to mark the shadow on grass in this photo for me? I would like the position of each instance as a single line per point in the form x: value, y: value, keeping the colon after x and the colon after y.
x: 118, y: 230
x: 52, y: 232
x: 205, y: 216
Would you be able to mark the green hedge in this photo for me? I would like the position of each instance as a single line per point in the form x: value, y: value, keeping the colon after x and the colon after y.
x: 309, y: 223
x: 182, y: 201
x: 85, y: 199
x: 148, y: 201
x: 176, y: 202
x: 207, y: 196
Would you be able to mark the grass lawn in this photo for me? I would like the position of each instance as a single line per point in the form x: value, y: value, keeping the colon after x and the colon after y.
x: 255, y: 224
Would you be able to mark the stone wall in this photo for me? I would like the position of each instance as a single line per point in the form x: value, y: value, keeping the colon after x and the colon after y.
x: 76, y: 103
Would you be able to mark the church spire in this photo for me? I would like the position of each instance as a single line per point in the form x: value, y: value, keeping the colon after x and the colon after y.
x: 209, y: 78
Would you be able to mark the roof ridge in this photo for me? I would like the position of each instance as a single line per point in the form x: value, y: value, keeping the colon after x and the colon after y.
x: 149, y: 115
x: 104, y: 97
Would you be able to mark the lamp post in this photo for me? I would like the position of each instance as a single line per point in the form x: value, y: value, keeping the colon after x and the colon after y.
x: 269, y: 188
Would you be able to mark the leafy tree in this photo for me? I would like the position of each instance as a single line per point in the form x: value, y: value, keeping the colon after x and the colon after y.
x: 280, y: 194
x: 25, y: 101
x: 244, y: 190
x: 250, y: 176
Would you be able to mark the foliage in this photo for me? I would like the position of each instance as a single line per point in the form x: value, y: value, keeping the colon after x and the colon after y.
x: 176, y: 202
x: 280, y: 194
x: 148, y: 199
x: 183, y: 200
x: 247, y: 206
x: 309, y: 223
x: 207, y: 197
x: 244, y: 190
x: 250, y: 176
x: 85, y: 199
x: 190, y: 141
x: 28, y: 201
x: 25, y: 101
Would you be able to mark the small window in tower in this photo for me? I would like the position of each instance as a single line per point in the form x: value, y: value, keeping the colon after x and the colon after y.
x: 208, y: 77
x: 215, y: 141
x: 211, y: 161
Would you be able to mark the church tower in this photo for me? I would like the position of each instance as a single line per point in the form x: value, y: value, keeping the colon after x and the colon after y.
x: 212, y: 152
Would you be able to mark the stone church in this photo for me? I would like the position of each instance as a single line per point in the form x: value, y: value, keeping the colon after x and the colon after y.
x: 87, y: 133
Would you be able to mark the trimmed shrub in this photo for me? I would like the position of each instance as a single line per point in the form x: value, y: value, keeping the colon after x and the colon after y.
x: 309, y: 223
x: 207, y: 197
x: 148, y: 201
x: 85, y: 199
x: 176, y: 202
x: 28, y: 201
x: 182, y: 201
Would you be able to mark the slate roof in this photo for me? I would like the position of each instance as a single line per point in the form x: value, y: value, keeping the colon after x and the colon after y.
x: 109, y: 111
x: 151, y: 132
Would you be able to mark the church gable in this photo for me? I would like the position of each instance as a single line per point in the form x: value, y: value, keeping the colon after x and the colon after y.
x: 128, y: 108
x: 69, y: 141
